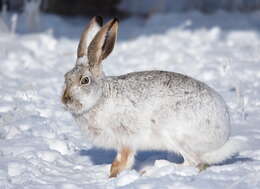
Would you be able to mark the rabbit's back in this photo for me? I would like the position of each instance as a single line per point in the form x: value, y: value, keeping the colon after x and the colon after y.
x: 146, y: 84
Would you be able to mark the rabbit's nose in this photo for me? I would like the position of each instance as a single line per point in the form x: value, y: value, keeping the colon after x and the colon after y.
x: 66, y: 98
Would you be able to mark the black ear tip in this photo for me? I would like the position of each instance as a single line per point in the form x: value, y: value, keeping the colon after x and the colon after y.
x: 99, y: 20
x: 115, y: 20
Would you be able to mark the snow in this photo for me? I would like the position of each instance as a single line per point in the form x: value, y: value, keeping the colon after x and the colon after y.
x: 41, y: 145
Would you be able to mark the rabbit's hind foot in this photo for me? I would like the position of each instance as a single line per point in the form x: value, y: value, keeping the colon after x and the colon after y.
x: 202, y: 166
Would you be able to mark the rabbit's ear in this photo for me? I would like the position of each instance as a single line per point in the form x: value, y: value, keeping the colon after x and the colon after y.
x: 103, y: 43
x: 88, y: 34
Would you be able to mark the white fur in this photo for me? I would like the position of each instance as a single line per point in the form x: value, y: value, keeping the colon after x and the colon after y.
x: 87, y: 100
x: 230, y: 148
x: 82, y: 60
x: 94, y: 30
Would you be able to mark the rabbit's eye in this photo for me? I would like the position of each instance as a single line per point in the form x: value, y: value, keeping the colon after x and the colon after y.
x: 85, y: 81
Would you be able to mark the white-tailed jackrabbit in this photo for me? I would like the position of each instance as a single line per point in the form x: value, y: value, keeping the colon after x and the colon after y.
x: 149, y: 110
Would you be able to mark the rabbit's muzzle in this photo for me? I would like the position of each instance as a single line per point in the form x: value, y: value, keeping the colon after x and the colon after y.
x: 66, y: 97
x: 70, y: 102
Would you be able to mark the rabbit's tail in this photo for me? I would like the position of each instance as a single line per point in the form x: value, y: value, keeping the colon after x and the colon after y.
x: 230, y: 148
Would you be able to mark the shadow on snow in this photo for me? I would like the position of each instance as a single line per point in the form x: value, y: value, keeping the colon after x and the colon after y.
x: 146, y: 158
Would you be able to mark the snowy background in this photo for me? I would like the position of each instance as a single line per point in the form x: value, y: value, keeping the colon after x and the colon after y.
x: 41, y: 146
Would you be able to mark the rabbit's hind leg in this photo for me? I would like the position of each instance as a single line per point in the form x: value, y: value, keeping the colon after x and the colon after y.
x: 190, y: 157
x: 202, y: 166
x: 124, y: 160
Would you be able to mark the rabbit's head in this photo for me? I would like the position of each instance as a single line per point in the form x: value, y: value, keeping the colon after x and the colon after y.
x: 83, y: 83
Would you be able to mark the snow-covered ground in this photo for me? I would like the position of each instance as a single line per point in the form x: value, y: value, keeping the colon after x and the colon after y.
x: 40, y: 144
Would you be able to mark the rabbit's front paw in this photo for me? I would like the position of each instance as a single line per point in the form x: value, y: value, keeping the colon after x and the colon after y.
x: 123, y: 160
